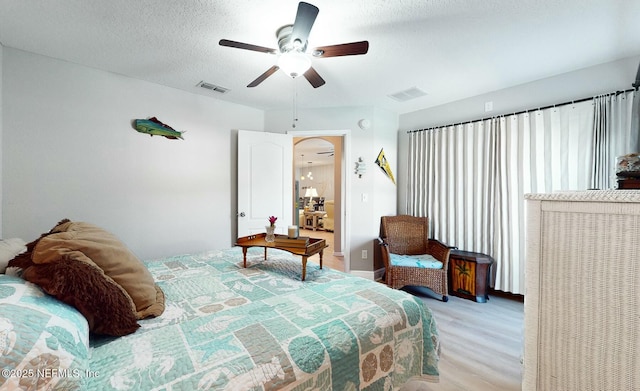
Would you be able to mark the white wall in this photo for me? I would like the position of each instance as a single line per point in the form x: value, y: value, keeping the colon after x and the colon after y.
x: 385, y: 197
x: 323, y: 180
x: 364, y: 217
x: 583, y: 83
x: 69, y: 151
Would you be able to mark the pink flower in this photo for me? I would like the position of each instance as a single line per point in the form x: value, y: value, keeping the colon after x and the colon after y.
x: 272, y: 220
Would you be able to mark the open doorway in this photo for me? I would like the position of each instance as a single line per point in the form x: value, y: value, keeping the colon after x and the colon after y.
x: 318, y: 192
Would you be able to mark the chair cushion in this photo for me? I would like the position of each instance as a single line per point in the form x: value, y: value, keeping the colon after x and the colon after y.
x: 424, y: 261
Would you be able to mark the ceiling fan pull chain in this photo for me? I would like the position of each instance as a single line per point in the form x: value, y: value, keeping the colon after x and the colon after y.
x: 295, y: 109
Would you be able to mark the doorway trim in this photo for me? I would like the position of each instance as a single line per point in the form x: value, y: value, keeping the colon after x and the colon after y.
x: 345, y: 192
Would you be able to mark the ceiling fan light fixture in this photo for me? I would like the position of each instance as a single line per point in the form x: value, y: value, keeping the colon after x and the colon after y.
x: 292, y: 43
x: 294, y: 63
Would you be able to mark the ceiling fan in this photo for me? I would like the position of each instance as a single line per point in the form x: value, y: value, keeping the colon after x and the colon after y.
x: 330, y: 153
x: 292, y: 44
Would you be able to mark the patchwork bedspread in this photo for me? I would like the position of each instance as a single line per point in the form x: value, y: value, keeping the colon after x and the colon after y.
x: 261, y: 328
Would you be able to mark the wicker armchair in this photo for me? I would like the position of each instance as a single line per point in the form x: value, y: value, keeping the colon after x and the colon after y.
x: 410, y: 257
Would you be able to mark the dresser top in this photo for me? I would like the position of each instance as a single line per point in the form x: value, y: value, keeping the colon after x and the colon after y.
x: 589, y: 195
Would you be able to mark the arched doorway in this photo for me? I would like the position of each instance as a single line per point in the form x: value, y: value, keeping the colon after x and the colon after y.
x: 318, y: 177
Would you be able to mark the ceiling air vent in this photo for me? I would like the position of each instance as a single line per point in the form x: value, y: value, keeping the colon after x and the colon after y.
x: 213, y: 87
x: 408, y: 94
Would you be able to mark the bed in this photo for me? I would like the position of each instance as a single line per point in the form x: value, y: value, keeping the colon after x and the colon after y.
x: 226, y: 327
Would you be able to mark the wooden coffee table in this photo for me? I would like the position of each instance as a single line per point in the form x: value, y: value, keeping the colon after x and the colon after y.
x: 315, y: 246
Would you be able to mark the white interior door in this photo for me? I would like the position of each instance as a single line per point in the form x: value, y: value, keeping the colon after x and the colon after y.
x: 265, y: 181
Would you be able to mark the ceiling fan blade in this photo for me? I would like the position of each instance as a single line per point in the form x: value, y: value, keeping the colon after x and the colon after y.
x: 314, y: 78
x: 305, y: 18
x: 345, y: 49
x: 262, y: 77
x: 247, y: 46
x: 637, y: 83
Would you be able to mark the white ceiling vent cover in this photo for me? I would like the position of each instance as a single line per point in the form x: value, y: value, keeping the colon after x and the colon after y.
x: 408, y: 94
x: 213, y: 87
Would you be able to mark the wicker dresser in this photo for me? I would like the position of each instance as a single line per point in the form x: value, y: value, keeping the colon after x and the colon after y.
x: 582, y: 298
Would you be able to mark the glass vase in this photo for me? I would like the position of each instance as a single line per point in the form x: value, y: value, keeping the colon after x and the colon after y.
x: 271, y: 236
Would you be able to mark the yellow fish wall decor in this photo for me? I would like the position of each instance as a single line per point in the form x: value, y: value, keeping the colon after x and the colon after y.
x: 381, y: 161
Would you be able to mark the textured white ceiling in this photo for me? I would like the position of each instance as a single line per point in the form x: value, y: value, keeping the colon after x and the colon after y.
x: 451, y: 49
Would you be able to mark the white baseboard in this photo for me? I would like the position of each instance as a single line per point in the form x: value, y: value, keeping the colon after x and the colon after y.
x: 379, y: 273
x: 369, y: 275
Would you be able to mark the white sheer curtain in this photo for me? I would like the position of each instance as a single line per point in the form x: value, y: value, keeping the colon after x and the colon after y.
x: 613, y: 134
x: 470, y: 179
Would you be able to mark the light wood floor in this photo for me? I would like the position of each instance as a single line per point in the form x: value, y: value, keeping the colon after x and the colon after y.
x: 481, y: 343
x: 328, y: 259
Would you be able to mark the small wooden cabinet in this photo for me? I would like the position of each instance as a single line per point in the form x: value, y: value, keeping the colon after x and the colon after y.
x: 469, y: 275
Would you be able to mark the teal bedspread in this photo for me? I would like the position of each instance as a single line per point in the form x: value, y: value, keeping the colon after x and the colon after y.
x: 261, y: 328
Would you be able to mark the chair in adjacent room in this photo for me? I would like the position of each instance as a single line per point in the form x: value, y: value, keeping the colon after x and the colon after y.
x: 410, y: 257
x: 327, y: 220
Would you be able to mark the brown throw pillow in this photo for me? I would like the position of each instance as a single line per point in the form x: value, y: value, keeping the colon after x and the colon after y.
x: 107, y: 307
x: 62, y: 263
x: 86, y: 242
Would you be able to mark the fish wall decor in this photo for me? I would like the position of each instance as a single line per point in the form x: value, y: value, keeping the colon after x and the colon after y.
x: 382, y: 162
x: 153, y: 127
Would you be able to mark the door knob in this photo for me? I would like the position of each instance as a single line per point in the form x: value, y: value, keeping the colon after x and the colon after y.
x: 241, y: 214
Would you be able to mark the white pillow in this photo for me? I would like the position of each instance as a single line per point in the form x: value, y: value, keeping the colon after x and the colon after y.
x: 9, y: 248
